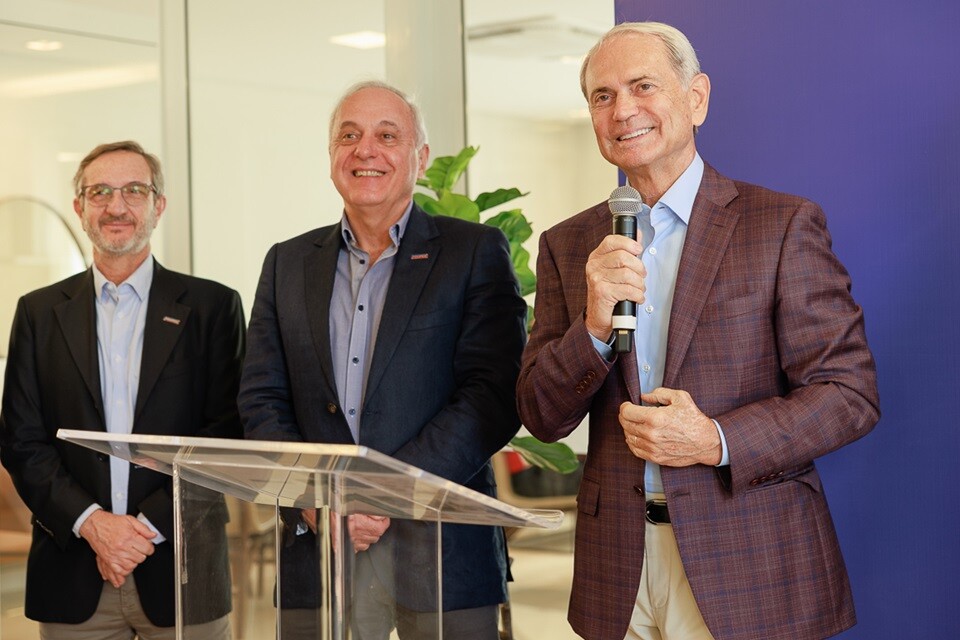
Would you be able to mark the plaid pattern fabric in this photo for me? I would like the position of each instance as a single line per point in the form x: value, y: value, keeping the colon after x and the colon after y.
x: 767, y: 339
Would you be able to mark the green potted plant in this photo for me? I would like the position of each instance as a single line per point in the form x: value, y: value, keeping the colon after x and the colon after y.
x: 440, y: 178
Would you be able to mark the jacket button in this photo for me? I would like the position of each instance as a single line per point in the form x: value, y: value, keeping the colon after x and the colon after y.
x: 638, y: 489
x: 591, y: 375
x: 331, y: 408
x: 754, y: 482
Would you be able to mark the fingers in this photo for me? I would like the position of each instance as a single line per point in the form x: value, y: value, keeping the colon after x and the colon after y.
x: 122, y: 541
x: 674, y: 432
x: 309, y: 517
x: 109, y: 574
x: 614, y: 273
x: 366, y: 530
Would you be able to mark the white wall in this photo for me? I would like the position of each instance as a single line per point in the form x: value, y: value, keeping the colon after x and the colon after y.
x: 556, y: 162
x: 263, y: 81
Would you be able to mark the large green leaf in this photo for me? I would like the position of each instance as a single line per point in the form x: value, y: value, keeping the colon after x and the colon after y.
x: 555, y: 456
x: 444, y: 171
x: 459, y: 206
x: 521, y: 267
x: 513, y: 224
x: 428, y: 204
x: 449, y: 204
x: 489, y: 200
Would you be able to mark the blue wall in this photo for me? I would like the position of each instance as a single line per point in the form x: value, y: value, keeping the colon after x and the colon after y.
x: 856, y: 105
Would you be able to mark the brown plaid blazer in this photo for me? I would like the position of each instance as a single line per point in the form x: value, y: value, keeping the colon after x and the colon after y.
x: 767, y: 339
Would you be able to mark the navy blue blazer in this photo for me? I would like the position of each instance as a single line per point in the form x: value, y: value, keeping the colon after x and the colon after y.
x: 440, y: 391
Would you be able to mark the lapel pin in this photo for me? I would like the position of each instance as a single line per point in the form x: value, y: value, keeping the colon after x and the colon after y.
x: 173, y: 321
x: 420, y: 256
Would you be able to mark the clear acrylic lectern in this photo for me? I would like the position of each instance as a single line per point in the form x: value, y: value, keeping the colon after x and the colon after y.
x: 322, y: 585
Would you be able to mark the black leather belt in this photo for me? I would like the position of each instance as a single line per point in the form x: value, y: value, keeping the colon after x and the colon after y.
x: 657, y: 513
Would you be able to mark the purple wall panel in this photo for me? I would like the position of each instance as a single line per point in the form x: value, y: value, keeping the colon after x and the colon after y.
x: 856, y: 105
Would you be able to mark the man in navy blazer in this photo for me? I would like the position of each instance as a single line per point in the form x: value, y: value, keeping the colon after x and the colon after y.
x: 701, y: 514
x: 401, y: 332
x: 126, y: 346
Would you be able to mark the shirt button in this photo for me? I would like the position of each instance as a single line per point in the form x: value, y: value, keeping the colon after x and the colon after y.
x: 653, y: 251
x: 646, y: 368
x: 362, y: 261
x: 352, y: 412
x: 356, y: 359
x: 648, y: 308
x: 360, y: 307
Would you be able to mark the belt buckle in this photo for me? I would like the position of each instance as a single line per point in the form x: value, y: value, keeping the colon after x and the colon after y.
x: 652, y: 512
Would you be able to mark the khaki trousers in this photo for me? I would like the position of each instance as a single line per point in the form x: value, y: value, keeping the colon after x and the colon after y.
x: 665, y: 608
x: 119, y: 616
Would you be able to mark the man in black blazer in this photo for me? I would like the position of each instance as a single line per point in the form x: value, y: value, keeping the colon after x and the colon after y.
x: 401, y: 332
x: 125, y: 346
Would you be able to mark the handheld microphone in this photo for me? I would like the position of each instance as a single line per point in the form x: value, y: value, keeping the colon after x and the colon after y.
x: 625, y: 204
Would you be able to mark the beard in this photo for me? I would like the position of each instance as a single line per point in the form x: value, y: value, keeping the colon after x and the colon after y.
x: 116, y: 247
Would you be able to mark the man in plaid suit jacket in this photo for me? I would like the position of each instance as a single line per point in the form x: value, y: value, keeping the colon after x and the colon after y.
x: 701, y: 513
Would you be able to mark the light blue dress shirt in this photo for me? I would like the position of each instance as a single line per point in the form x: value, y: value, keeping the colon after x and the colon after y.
x: 664, y: 229
x: 121, y: 318
x: 356, y: 305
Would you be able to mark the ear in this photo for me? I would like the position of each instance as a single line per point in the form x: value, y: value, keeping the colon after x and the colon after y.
x: 423, y: 156
x: 699, y: 96
x: 78, y: 208
x: 160, y: 206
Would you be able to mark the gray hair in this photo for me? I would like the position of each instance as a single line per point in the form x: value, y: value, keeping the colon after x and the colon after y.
x: 156, y: 172
x: 418, y: 123
x: 682, y: 56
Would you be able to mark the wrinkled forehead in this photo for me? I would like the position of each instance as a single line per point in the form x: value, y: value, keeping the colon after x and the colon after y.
x: 628, y: 54
x: 119, y: 166
x: 374, y: 107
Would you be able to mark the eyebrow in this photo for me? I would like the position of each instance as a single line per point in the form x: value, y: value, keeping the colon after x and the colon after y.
x: 382, y: 123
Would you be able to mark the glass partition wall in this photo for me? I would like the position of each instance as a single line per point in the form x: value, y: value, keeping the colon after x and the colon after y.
x: 235, y: 96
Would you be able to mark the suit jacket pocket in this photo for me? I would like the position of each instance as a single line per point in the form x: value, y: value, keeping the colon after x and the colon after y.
x: 435, y: 318
x: 588, y: 499
x: 176, y: 368
x: 738, y: 305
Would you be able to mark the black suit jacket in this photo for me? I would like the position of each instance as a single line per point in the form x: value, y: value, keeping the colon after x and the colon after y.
x: 188, y: 383
x: 440, y: 388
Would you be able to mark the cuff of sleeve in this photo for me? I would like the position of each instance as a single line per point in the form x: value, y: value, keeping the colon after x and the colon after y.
x: 605, y: 349
x: 725, y: 455
x: 158, y: 537
x: 83, y: 518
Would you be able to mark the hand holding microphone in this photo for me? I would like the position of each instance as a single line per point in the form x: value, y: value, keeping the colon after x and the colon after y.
x: 615, y: 275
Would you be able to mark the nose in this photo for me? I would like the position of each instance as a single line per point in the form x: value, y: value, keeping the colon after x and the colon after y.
x: 117, y: 203
x: 625, y: 107
x: 365, y: 148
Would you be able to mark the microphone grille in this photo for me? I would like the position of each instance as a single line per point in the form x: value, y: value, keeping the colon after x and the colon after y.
x: 625, y: 199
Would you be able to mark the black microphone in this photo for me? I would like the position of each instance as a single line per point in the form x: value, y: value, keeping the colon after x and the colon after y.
x: 625, y: 204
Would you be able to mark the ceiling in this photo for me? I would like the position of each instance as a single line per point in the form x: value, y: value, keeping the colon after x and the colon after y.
x: 522, y: 57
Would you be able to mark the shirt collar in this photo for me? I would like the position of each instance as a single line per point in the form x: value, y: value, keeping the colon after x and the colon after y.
x: 681, y: 194
x: 396, y: 230
x: 140, y: 280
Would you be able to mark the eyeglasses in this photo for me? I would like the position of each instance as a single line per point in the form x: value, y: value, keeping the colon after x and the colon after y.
x: 133, y: 193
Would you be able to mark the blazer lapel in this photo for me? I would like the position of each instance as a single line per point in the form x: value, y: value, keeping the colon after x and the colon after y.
x: 409, y: 277
x: 320, y: 268
x: 165, y: 321
x: 711, y: 226
x: 78, y: 321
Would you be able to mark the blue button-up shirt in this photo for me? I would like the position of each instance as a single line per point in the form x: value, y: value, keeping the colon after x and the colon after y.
x: 121, y: 318
x: 356, y: 305
x: 664, y: 229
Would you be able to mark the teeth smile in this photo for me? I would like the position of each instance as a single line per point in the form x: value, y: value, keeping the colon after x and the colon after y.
x: 369, y: 173
x: 635, y: 134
